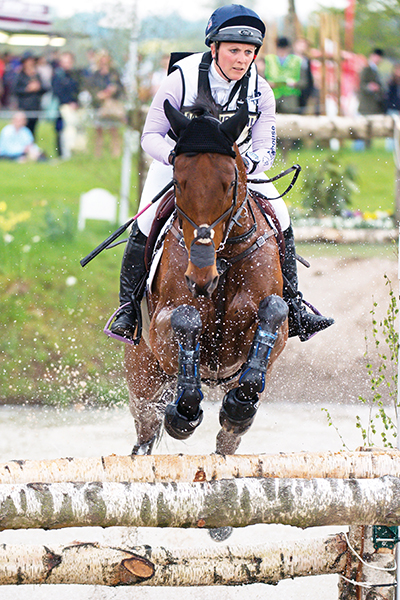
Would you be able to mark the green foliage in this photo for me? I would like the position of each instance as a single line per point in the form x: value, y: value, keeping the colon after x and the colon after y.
x: 382, y: 372
x: 328, y: 187
x: 59, y: 227
x: 52, y: 346
x: 374, y: 167
x: 383, y: 379
x: 377, y: 23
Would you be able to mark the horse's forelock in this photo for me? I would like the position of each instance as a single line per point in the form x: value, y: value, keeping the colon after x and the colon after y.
x: 204, y: 106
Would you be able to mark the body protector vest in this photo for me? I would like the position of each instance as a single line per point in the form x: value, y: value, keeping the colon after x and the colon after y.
x: 279, y: 73
x: 194, y: 71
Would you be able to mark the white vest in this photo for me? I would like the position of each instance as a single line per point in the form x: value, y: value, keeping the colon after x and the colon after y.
x: 189, y: 69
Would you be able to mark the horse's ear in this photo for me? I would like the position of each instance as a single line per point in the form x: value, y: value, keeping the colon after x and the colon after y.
x: 234, y: 126
x: 177, y: 120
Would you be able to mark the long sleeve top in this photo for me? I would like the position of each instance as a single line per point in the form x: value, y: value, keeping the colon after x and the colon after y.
x: 154, y: 138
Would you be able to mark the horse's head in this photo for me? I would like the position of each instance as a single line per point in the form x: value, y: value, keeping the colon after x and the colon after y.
x: 208, y: 180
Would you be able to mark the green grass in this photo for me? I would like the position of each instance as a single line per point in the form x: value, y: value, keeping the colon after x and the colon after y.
x: 52, y: 348
x: 375, y: 171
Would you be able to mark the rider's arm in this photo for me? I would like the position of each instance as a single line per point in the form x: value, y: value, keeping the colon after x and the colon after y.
x: 264, y: 131
x: 157, y: 125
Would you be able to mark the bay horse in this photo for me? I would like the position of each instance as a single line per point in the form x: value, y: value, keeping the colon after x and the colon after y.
x: 216, y: 308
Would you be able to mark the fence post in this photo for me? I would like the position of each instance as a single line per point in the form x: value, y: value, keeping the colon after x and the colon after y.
x: 347, y: 589
x: 371, y: 569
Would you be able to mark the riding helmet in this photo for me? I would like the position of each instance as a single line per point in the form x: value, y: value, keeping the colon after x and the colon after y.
x: 235, y: 23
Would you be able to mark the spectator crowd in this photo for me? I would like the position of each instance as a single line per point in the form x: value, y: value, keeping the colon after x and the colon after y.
x: 294, y: 69
x: 52, y: 86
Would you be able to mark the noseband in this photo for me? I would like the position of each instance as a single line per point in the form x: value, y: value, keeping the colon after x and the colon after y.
x: 202, y: 247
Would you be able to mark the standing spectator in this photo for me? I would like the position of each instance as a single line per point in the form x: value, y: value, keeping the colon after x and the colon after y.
x: 16, y: 141
x: 29, y: 90
x: 393, y: 91
x: 106, y: 90
x: 9, y: 78
x: 393, y: 99
x: 371, y: 92
x: 45, y: 71
x: 66, y: 89
x: 284, y: 74
x: 2, y: 69
x: 260, y: 65
x: 301, y: 49
x: 91, y: 66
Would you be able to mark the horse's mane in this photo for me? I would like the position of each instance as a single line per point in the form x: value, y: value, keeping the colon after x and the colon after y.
x: 204, y: 106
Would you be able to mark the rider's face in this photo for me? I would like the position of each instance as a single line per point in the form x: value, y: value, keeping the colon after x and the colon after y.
x: 233, y: 58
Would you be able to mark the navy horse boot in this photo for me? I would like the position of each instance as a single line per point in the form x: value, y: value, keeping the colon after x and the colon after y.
x: 240, y: 404
x: 184, y: 415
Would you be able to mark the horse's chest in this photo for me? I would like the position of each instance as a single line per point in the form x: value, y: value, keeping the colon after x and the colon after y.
x: 225, y: 344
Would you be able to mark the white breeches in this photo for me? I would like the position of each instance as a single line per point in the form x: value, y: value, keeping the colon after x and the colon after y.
x: 160, y: 175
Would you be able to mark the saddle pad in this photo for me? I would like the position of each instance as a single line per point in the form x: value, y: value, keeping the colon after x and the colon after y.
x: 155, y: 261
x: 164, y: 211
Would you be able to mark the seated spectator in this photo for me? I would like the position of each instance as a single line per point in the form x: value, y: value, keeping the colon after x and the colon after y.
x: 16, y: 141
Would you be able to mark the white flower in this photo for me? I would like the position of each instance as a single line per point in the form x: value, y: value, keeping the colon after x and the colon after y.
x: 70, y: 281
x: 36, y: 239
x: 8, y: 238
x: 26, y: 248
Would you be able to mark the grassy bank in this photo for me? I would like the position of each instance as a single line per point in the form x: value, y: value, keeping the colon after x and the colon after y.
x: 52, y: 348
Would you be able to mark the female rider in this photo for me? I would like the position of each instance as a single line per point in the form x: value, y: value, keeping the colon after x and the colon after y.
x: 228, y: 74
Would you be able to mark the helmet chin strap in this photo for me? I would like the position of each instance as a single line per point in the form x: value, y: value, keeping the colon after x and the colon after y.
x: 218, y: 65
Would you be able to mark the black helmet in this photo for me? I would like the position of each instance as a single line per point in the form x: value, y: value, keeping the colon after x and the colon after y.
x: 235, y: 23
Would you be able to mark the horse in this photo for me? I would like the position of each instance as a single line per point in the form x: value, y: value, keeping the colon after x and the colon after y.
x: 216, y: 310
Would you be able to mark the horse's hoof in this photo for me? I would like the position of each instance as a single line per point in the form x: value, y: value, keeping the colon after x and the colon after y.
x: 236, y: 416
x: 178, y: 426
x: 220, y: 534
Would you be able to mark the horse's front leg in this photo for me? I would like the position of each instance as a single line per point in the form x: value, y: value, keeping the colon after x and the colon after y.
x: 184, y: 415
x: 148, y: 395
x: 240, y: 404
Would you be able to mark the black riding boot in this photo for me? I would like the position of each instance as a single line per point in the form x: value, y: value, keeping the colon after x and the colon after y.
x: 133, y: 270
x: 301, y: 322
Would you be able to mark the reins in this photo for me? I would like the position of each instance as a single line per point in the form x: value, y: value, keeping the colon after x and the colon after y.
x: 296, y: 168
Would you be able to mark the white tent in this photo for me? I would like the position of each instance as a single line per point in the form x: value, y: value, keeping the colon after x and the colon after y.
x: 26, y: 24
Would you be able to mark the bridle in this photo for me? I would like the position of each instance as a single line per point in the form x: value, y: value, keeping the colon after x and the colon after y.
x: 203, y: 234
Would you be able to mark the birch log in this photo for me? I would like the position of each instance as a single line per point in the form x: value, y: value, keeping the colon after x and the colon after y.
x: 303, y: 465
x: 325, y: 128
x: 229, y: 502
x: 93, y: 564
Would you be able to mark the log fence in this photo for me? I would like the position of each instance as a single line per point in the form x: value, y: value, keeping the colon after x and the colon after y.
x: 360, y: 489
